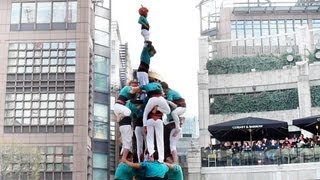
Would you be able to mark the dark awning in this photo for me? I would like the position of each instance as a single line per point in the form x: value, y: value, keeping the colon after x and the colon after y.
x: 249, y: 128
x: 310, y: 123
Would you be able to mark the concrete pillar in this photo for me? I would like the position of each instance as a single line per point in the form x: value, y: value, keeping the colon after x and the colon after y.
x: 194, y: 163
x: 304, y: 92
x: 203, y: 92
x: 303, y: 37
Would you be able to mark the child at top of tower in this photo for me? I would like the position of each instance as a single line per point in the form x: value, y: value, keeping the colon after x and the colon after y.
x: 143, y: 11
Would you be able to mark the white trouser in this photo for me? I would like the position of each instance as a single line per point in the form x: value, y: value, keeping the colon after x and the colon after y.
x: 121, y: 109
x: 143, y: 79
x: 126, y: 136
x: 174, y: 140
x: 140, y: 138
x: 175, y: 115
x: 146, y: 34
x: 162, y: 104
x: 155, y: 126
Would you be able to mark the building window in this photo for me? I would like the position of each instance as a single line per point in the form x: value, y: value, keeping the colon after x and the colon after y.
x: 316, y: 33
x: 102, y: 38
x: 28, y: 13
x: 100, y: 166
x: 44, y: 12
x: 59, y: 12
x: 40, y: 89
x: 56, y: 161
x: 276, y: 28
x: 49, y: 161
x: 15, y: 13
x: 101, y: 130
x: 102, y: 24
x: 31, y: 16
x: 101, y: 82
x: 101, y: 65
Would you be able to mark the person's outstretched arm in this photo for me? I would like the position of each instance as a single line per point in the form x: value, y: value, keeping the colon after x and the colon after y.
x: 171, y: 166
x: 131, y: 164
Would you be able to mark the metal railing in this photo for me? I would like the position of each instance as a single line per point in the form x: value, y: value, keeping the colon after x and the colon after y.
x: 217, y: 158
x: 271, y: 3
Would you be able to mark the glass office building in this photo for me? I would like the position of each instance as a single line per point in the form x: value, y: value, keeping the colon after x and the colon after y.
x: 54, y: 85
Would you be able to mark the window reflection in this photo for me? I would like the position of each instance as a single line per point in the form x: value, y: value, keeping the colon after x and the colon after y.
x: 102, y: 38
x: 15, y: 13
x: 281, y: 30
x: 101, y: 82
x: 240, y: 32
x: 100, y: 130
x: 59, y: 12
x: 271, y: 44
x: 72, y: 12
x: 10, y: 105
x: 100, y: 110
x: 101, y: 65
x: 101, y: 24
x: 248, y: 33
x: 9, y: 113
x: 316, y: 26
x: 28, y: 13
x: 43, y: 12
x: 100, y: 160
x: 69, y: 112
x: 48, y: 107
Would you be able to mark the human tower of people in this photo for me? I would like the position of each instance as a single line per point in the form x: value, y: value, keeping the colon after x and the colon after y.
x: 144, y: 106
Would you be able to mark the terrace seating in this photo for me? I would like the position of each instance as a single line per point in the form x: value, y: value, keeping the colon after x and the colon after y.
x: 294, y: 156
x: 285, y: 155
x: 272, y: 156
x: 212, y: 160
x: 306, y: 155
x: 316, y: 151
x: 246, y: 158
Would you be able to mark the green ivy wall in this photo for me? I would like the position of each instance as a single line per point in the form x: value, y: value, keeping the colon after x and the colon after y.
x: 259, y: 101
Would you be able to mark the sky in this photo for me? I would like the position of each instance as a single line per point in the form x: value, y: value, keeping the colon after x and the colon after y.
x: 174, y: 32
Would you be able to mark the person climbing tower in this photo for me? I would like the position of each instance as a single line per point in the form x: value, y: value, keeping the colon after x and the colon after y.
x: 178, y: 108
x: 148, y: 51
x: 143, y: 11
x: 155, y: 108
x: 123, y: 114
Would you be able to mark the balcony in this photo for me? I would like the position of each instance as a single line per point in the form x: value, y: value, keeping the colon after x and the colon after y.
x: 222, y: 158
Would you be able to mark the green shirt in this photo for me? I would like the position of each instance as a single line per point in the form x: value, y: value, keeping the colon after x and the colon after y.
x: 123, y: 172
x: 153, y: 86
x: 172, y: 95
x: 144, y: 22
x: 134, y: 109
x: 154, y: 169
x: 175, y: 173
x: 125, y: 91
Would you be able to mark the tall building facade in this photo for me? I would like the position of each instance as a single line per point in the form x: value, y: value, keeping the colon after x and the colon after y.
x: 121, y: 72
x: 256, y: 58
x: 54, y: 85
x: 257, y: 51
